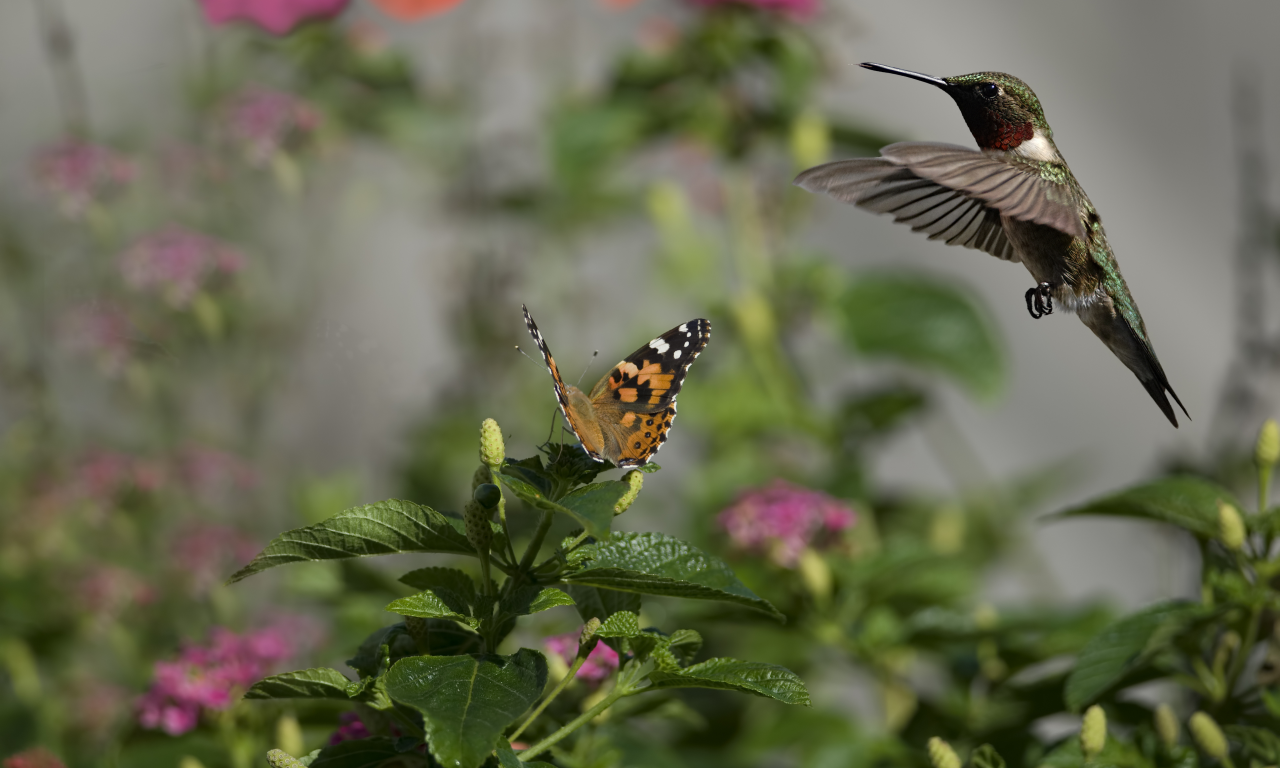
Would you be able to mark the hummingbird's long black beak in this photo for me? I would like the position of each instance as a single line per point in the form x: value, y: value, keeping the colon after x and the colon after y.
x: 907, y: 73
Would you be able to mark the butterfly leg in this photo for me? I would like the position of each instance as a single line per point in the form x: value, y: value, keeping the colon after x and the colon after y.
x: 1040, y: 300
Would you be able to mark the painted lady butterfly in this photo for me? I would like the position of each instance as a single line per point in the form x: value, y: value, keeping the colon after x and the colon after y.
x: 626, y: 417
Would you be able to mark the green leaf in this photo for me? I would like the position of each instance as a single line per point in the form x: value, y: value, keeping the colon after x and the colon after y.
x: 450, y: 579
x: 528, y: 600
x: 361, y: 753
x: 595, y: 502
x: 384, y: 528
x: 442, y: 637
x: 316, y: 683
x: 657, y: 564
x: 428, y: 605
x: 1191, y: 503
x: 924, y: 322
x: 587, y: 512
x: 761, y: 679
x: 507, y: 758
x: 374, y: 655
x: 621, y: 624
x: 1121, y: 647
x: 986, y: 756
x: 1260, y: 743
x: 467, y: 701
x: 594, y: 603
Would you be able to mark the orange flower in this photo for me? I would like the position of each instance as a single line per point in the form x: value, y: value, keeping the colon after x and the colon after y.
x: 411, y: 10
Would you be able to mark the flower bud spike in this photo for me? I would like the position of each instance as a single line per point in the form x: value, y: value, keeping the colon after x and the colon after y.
x: 1208, y: 736
x: 941, y: 755
x: 1230, y: 527
x: 492, y: 451
x: 479, y: 534
x: 1093, y: 732
x: 278, y: 758
x: 1265, y: 454
x: 634, y: 479
x: 1167, y: 726
x: 480, y: 477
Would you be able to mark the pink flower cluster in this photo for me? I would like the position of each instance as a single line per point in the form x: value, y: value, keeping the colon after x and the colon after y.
x: 100, y: 330
x: 76, y: 174
x: 206, y: 554
x: 263, y: 121
x: 175, y: 262
x: 103, y: 474
x: 797, y: 9
x: 350, y: 728
x: 600, y: 663
x: 781, y: 520
x: 275, y: 16
x: 108, y: 591
x: 212, y: 677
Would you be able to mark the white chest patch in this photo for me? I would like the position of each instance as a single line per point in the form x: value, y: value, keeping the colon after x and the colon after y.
x: 1038, y: 147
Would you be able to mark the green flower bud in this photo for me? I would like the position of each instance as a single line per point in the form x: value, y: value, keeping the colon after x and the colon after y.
x: 1093, y: 732
x: 478, y: 531
x: 492, y: 451
x: 1167, y: 725
x: 1208, y: 735
x: 634, y: 479
x: 187, y: 761
x: 589, y: 631
x: 1230, y: 526
x: 278, y: 758
x: 289, y: 735
x: 480, y: 477
x: 810, y: 139
x: 1267, y: 451
x: 815, y: 573
x: 942, y: 755
x: 488, y: 495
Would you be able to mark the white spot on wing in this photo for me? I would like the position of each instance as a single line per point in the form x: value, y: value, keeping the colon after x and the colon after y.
x: 660, y: 345
x: 676, y: 355
x: 684, y: 328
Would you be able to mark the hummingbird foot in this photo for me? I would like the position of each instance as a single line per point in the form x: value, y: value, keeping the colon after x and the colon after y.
x: 1040, y: 300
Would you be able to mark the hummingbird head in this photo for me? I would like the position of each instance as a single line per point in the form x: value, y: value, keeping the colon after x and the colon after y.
x: 1002, y: 112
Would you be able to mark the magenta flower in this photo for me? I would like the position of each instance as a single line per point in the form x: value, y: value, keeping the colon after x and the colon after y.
x: 600, y: 663
x: 275, y: 16
x: 263, y: 121
x: 350, y: 727
x: 796, y: 9
x: 36, y: 757
x: 175, y: 262
x: 76, y: 174
x: 209, y: 678
x: 101, y: 330
x: 781, y: 520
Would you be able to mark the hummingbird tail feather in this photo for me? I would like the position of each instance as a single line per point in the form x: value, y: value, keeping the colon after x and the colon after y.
x: 1156, y: 383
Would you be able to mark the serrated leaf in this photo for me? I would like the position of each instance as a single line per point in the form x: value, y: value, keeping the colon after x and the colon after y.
x: 384, y: 528
x: 316, y: 683
x: 429, y: 605
x: 1190, y: 503
x: 684, y: 645
x: 451, y: 579
x: 591, y: 521
x: 442, y: 637
x: 467, y: 701
x: 1123, y: 645
x: 925, y: 322
x: 595, y: 502
x: 657, y: 564
x: 754, y: 677
x: 595, y: 603
x: 621, y: 624
x: 374, y: 654
x: 359, y: 753
x: 649, y: 468
x: 527, y: 600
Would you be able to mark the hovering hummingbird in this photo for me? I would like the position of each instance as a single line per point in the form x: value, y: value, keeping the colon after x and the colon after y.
x: 1016, y: 199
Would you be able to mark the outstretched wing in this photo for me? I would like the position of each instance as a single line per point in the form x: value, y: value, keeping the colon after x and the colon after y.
x: 635, y: 403
x: 953, y: 193
x: 562, y: 396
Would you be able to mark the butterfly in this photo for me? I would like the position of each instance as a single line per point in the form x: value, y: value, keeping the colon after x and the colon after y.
x: 626, y: 416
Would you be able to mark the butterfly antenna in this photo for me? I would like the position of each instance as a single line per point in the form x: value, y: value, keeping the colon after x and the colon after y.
x: 589, y: 363
x: 526, y: 354
x: 552, y: 431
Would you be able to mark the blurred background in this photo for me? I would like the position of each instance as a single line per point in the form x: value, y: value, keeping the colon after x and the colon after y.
x: 261, y: 261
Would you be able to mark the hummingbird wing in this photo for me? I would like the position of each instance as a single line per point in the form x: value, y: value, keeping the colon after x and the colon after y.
x: 954, y: 193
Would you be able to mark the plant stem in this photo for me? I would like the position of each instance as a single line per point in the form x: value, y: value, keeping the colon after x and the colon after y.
x: 550, y: 697
x: 1243, y: 652
x: 544, y: 525
x: 502, y: 514
x: 573, y: 725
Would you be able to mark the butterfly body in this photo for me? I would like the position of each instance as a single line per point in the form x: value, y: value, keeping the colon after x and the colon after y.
x: 627, y: 414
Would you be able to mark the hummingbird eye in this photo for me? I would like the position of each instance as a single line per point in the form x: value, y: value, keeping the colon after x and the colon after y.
x: 988, y: 90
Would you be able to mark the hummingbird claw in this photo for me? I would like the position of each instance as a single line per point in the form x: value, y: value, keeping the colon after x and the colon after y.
x: 1040, y: 300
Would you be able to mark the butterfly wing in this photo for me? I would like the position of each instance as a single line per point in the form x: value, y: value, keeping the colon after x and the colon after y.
x: 635, y: 402
x: 583, y: 424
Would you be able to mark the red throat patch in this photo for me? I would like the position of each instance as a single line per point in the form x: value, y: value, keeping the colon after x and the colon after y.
x: 1004, y: 135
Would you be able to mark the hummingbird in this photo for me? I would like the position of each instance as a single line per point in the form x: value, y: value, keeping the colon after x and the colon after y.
x: 1016, y: 199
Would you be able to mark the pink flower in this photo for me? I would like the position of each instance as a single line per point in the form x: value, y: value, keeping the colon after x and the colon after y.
x: 76, y: 174
x: 109, y: 590
x: 37, y: 757
x: 350, y: 727
x: 275, y: 16
x: 600, y: 663
x: 212, y: 677
x: 264, y: 120
x: 781, y: 520
x: 206, y: 554
x: 101, y: 330
x: 175, y: 262
x: 209, y: 470
x: 797, y: 9
x: 103, y: 474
